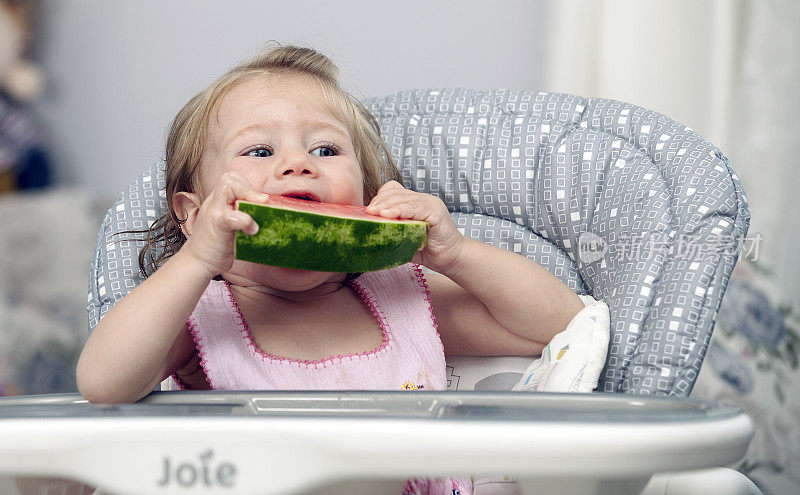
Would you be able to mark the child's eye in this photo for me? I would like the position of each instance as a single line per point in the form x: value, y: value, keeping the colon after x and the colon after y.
x: 259, y: 152
x: 327, y: 150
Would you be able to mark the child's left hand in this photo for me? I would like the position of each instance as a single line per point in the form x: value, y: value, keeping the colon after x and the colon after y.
x: 444, y: 240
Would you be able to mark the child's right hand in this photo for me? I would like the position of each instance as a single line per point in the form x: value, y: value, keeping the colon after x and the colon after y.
x: 212, y: 231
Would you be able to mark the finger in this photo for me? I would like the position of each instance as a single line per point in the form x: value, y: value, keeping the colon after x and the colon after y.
x: 398, y: 199
x: 421, y: 207
x: 393, y: 195
x: 400, y: 208
x: 392, y: 192
x: 227, y: 187
x: 382, y: 203
x: 234, y: 220
x: 254, y: 196
x: 233, y: 186
x: 392, y: 184
x: 389, y: 187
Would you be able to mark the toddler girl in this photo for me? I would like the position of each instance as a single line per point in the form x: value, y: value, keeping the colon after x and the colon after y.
x: 279, y: 124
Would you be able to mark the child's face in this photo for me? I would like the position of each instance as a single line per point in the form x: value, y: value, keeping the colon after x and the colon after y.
x: 280, y: 134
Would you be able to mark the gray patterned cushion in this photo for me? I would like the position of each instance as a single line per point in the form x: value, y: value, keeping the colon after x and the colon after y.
x: 615, y: 200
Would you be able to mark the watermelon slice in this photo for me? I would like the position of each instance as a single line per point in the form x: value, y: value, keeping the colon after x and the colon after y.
x: 296, y: 233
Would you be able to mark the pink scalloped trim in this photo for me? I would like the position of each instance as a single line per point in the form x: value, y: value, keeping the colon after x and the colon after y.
x: 247, y: 335
x: 179, y: 382
x: 424, y: 285
x: 198, y: 344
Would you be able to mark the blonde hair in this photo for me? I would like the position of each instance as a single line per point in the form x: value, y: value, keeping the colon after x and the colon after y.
x: 186, y: 141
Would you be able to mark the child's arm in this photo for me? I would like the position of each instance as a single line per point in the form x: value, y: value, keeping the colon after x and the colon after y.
x: 489, y: 301
x: 143, y: 338
x: 494, y: 302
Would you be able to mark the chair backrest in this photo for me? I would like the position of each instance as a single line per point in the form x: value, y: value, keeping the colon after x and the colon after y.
x: 615, y: 200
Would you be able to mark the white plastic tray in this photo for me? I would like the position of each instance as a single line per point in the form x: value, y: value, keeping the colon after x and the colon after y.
x: 298, y: 442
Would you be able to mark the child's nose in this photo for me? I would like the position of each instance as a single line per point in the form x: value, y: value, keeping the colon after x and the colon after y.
x: 296, y: 162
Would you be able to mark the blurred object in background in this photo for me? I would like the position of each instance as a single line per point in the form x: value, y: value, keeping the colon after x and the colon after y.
x: 753, y: 360
x: 23, y: 161
x: 729, y: 69
x: 46, y: 241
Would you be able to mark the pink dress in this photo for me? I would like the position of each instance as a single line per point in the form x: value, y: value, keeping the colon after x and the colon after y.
x: 410, y: 358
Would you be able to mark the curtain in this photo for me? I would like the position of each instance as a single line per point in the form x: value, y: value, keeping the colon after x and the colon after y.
x: 729, y: 69
x: 765, y: 134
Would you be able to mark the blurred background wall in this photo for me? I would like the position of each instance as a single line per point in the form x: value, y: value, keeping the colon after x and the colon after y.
x: 119, y: 71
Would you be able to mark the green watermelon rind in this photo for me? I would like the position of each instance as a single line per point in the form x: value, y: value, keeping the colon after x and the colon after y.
x: 310, y: 241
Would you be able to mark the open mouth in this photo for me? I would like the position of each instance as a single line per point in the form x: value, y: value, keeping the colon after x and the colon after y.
x: 305, y: 196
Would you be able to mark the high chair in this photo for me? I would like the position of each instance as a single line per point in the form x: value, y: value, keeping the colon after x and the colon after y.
x: 618, y: 202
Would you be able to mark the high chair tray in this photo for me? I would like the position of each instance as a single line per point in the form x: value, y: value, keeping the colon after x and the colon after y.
x: 290, y: 442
